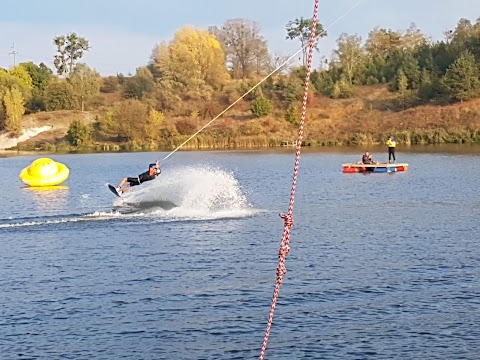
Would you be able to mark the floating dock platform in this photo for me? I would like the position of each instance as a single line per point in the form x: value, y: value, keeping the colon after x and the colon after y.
x: 377, y: 168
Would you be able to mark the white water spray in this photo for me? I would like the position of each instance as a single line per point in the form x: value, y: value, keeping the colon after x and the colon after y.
x: 189, y: 192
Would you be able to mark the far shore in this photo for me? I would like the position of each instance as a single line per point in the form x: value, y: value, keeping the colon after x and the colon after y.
x: 376, y: 150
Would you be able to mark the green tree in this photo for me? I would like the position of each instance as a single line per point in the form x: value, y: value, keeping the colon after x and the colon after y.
x: 286, y: 88
x: 60, y: 95
x: 14, y: 108
x: 301, y: 29
x: 411, y: 69
x: 431, y: 87
x: 70, y: 49
x: 462, y: 78
x: 78, y: 133
x: 41, y: 75
x: 341, y: 89
x: 261, y: 107
x: 85, y: 84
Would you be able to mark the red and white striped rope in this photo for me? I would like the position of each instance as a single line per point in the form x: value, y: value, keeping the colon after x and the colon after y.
x: 288, y: 217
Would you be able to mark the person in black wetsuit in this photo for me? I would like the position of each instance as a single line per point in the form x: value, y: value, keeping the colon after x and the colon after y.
x: 152, y: 173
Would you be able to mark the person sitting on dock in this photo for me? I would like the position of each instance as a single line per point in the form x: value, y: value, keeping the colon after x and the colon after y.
x: 367, y: 158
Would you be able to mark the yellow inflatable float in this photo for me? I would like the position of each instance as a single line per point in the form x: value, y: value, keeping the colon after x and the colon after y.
x: 44, y: 172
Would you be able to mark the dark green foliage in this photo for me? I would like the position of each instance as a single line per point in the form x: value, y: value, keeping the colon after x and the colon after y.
x: 136, y: 87
x: 285, y: 89
x: 60, y: 95
x: 323, y: 82
x: 35, y: 104
x: 431, y: 87
x: 261, y: 107
x: 411, y: 69
x: 78, y: 133
x: 41, y: 75
x: 462, y: 77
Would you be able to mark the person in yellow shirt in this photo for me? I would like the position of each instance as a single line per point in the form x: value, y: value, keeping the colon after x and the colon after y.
x: 391, y: 148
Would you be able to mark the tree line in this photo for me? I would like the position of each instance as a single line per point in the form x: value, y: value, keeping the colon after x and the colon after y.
x: 200, y: 71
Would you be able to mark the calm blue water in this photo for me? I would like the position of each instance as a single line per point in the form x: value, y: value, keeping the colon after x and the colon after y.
x: 382, y: 266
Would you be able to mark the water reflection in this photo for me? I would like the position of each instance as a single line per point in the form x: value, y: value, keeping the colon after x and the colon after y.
x: 49, y: 197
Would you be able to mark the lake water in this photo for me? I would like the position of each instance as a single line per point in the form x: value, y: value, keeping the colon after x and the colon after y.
x: 382, y: 266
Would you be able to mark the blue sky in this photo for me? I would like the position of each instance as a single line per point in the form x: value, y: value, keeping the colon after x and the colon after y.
x: 123, y: 33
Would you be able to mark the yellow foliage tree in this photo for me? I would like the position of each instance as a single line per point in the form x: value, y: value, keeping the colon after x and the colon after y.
x: 14, y: 109
x: 22, y: 74
x: 195, y: 59
x: 131, y: 117
x: 154, y: 121
x: 16, y: 80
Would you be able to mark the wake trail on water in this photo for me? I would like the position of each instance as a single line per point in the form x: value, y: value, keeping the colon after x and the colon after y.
x: 184, y: 193
x: 98, y: 215
x: 196, y: 192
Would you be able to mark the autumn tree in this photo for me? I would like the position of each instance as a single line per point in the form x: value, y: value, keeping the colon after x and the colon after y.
x: 130, y: 117
x: 16, y: 88
x: 154, y: 122
x: 14, y: 108
x: 194, y: 60
x: 350, y: 55
x: 301, y: 29
x: 22, y: 74
x: 139, y: 85
x: 85, y: 84
x: 412, y: 38
x: 382, y: 42
x: 245, y: 49
x: 463, y: 31
x: 70, y: 49
x: 17, y: 79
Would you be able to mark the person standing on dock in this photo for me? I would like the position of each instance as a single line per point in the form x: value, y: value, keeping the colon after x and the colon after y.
x: 391, y: 149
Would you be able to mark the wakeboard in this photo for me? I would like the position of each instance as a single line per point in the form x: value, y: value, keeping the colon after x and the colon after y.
x: 113, y: 189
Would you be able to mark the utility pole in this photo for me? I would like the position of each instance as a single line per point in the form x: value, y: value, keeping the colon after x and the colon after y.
x: 14, y: 53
